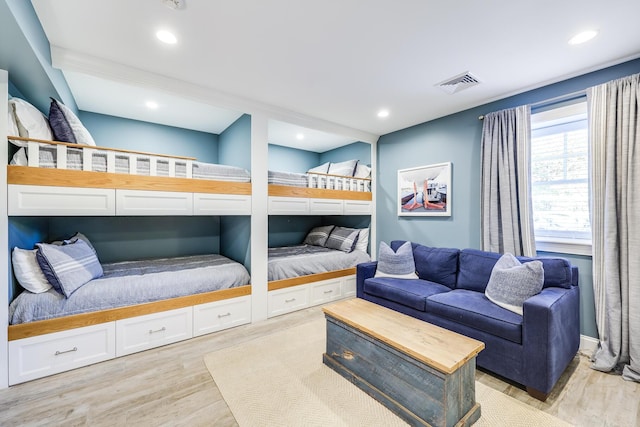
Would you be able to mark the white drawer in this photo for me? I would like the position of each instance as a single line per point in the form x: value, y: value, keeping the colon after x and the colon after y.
x: 357, y: 207
x: 221, y: 204
x: 218, y: 315
x: 153, y: 330
x: 349, y: 286
x: 325, y: 206
x: 286, y: 300
x: 325, y: 291
x: 288, y: 205
x: 60, y: 201
x: 140, y: 202
x: 36, y: 357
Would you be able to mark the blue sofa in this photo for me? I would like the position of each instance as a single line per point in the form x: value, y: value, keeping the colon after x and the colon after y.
x: 533, y: 349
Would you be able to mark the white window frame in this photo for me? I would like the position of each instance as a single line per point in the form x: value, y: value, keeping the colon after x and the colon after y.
x: 560, y: 114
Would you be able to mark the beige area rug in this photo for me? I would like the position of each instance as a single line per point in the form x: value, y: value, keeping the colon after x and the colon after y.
x: 280, y: 380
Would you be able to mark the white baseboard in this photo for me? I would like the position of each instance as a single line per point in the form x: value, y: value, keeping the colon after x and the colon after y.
x: 588, y: 344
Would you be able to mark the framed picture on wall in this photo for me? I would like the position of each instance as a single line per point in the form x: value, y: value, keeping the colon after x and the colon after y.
x: 425, y: 190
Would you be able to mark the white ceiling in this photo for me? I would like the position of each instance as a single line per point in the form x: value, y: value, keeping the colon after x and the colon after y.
x: 328, y: 65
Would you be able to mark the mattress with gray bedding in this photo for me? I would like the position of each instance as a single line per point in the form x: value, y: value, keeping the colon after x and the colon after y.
x: 293, y: 261
x: 133, y: 282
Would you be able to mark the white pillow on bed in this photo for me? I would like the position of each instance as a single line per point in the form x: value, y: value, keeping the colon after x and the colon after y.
x: 323, y: 168
x: 362, y: 244
x: 28, y: 272
x: 362, y: 171
x: 346, y: 168
x: 31, y: 123
x: 12, y: 129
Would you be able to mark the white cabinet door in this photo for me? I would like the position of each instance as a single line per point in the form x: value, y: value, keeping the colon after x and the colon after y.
x: 142, y: 202
x: 357, y: 207
x: 42, y: 355
x: 349, y: 286
x: 325, y: 206
x: 218, y: 315
x: 288, y: 205
x: 153, y: 330
x: 42, y: 200
x: 221, y: 204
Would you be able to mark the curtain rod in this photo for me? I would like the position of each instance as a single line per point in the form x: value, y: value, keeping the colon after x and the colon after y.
x: 565, y: 97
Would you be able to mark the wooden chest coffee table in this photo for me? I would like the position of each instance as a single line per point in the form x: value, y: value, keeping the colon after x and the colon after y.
x: 423, y: 373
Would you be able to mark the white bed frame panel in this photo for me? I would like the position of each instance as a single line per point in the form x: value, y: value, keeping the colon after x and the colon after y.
x: 4, y: 234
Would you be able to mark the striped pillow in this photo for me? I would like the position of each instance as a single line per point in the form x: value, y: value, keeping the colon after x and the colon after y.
x: 399, y: 264
x: 318, y: 235
x: 68, y: 267
x: 343, y: 239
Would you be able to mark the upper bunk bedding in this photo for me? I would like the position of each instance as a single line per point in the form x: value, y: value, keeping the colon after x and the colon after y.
x: 133, y: 282
x: 325, y: 248
x: 350, y: 175
x: 61, y: 141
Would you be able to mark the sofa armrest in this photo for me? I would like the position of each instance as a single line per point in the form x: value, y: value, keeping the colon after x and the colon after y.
x: 550, y: 335
x: 364, y: 271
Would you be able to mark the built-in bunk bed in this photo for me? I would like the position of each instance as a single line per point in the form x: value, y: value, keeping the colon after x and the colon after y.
x: 78, y: 311
x: 321, y: 268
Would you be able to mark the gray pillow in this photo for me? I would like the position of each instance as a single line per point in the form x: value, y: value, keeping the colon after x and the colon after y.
x: 318, y: 235
x: 399, y: 264
x: 511, y: 283
x: 68, y: 267
x: 343, y: 239
x: 66, y: 126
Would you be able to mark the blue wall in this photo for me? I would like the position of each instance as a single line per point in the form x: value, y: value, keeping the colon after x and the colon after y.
x: 234, y: 144
x: 358, y: 150
x: 456, y: 138
x: 117, y: 132
x: 287, y: 159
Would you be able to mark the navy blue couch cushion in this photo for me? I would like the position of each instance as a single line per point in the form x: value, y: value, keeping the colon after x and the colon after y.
x: 473, y: 309
x: 439, y: 265
x: 410, y: 292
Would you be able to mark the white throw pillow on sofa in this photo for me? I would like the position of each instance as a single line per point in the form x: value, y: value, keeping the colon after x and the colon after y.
x: 511, y: 282
x: 399, y: 264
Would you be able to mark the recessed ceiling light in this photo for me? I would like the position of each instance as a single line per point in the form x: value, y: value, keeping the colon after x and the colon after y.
x: 166, y: 37
x: 300, y: 136
x: 383, y: 113
x: 583, y: 37
x: 152, y: 105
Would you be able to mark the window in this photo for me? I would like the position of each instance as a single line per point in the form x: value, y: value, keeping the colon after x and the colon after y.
x: 560, y: 179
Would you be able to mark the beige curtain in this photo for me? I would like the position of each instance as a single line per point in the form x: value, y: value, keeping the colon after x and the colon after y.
x: 614, y: 128
x: 507, y: 216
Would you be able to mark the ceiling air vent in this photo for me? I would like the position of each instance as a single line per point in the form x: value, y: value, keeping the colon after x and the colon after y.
x: 458, y: 83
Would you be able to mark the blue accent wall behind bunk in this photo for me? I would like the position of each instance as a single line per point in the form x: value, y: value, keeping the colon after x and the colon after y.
x: 127, y: 134
x: 360, y: 151
x: 288, y: 159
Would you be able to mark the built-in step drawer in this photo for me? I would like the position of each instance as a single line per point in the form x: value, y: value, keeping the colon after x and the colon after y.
x: 141, y: 202
x: 39, y: 356
x: 153, y: 330
x: 221, y: 204
x: 357, y: 207
x: 40, y: 200
x: 283, y: 301
x: 218, y: 315
x: 325, y: 206
x: 325, y: 291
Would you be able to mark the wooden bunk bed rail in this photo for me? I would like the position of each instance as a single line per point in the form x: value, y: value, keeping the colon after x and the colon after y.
x: 287, y: 191
x: 302, y: 280
x: 42, y: 327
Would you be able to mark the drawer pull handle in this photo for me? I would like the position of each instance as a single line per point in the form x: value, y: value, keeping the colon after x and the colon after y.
x: 224, y: 315
x: 58, y: 352
x: 151, y: 331
x: 290, y: 300
x: 329, y: 291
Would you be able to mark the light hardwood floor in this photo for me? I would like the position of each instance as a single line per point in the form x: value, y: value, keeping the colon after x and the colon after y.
x: 170, y: 386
